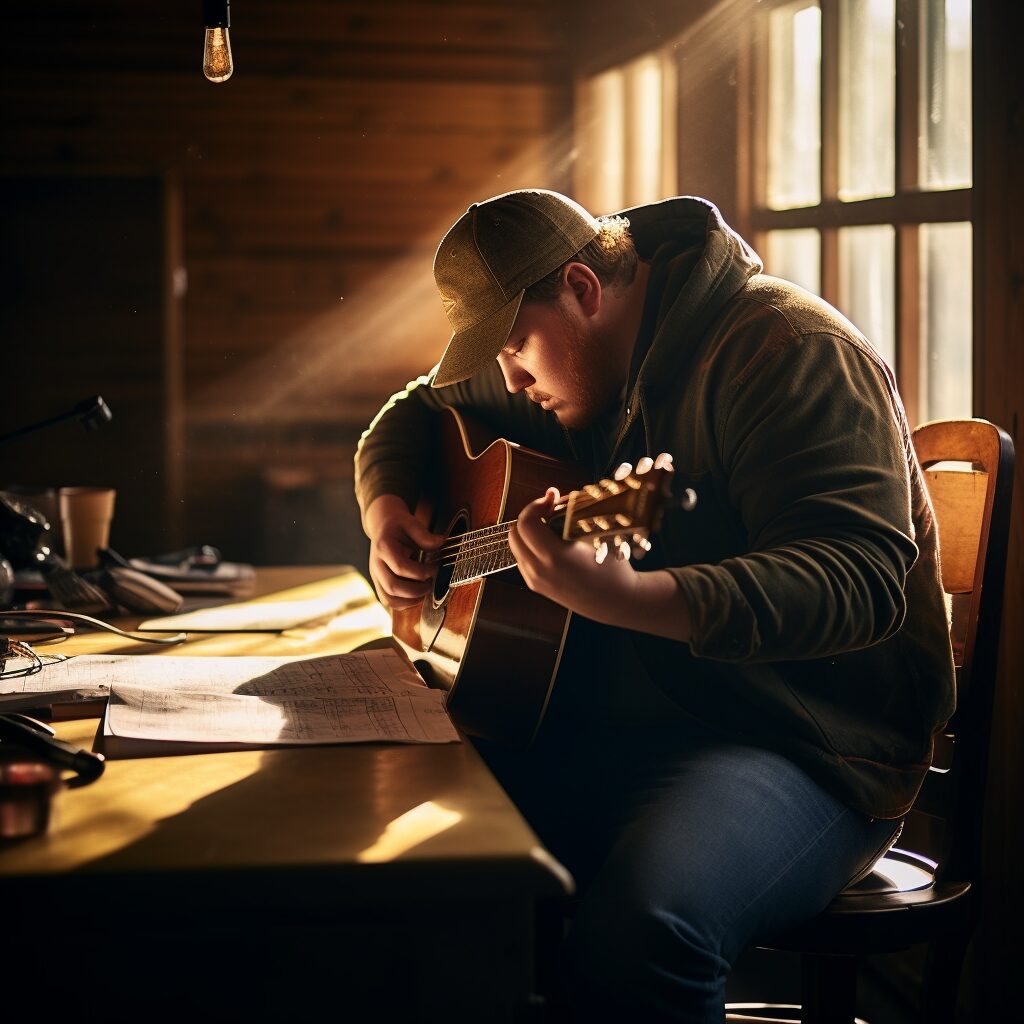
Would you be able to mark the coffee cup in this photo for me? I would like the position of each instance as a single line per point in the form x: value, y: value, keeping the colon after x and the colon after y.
x: 86, y: 514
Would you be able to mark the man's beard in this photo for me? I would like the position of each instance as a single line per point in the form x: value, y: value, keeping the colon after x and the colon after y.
x: 593, y: 391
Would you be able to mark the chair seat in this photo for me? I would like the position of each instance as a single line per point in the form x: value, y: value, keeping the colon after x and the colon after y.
x: 865, y: 922
x: 968, y: 477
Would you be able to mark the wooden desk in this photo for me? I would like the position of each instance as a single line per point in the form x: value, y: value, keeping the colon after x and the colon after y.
x: 396, y: 882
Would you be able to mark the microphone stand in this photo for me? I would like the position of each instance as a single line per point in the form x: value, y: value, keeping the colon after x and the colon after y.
x: 93, y: 413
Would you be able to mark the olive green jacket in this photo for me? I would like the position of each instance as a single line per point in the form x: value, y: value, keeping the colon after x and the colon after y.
x: 810, y: 564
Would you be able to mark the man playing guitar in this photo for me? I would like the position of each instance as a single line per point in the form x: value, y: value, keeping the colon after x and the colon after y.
x: 740, y: 720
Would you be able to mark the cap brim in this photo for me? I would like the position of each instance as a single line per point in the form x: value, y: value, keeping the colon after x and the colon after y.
x: 469, y: 351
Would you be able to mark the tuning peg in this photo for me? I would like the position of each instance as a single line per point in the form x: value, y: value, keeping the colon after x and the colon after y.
x: 600, y: 550
x: 623, y: 520
x: 641, y: 542
x: 622, y: 551
x: 602, y: 522
x: 593, y: 490
x: 689, y: 502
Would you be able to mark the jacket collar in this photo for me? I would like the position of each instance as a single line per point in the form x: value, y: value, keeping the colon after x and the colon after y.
x: 662, y: 231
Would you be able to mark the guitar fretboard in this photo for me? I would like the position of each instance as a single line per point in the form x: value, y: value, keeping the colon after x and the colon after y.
x: 482, y: 553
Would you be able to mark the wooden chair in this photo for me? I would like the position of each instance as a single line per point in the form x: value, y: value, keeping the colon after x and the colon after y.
x: 925, y: 890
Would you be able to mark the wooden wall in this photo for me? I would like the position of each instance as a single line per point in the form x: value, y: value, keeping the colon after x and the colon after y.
x: 305, y: 196
x: 999, y: 396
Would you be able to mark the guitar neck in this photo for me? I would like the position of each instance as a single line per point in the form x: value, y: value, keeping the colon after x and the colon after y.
x: 619, y: 508
x: 480, y: 553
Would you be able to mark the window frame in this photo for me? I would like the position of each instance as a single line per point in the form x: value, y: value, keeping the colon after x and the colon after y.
x: 911, y: 206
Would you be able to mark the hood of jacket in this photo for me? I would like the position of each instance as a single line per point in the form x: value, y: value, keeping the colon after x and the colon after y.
x: 666, y: 233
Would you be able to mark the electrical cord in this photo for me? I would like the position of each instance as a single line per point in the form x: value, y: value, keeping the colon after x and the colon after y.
x: 51, y: 613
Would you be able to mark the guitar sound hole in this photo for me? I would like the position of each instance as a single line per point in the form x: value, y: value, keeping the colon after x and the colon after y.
x: 446, y: 570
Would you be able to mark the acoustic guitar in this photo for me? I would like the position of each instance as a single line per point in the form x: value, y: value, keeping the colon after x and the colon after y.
x: 481, y: 633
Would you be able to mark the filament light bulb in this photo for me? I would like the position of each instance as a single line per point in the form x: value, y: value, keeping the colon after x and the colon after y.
x: 217, y: 63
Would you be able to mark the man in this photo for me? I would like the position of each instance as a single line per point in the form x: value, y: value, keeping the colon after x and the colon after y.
x: 741, y: 720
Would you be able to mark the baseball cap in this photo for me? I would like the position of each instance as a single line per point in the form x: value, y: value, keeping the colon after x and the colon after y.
x: 487, y: 260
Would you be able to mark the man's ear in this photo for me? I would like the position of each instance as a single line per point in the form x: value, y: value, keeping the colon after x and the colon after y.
x: 584, y: 286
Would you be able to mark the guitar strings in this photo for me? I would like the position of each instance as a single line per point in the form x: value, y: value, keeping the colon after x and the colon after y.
x: 492, y: 539
x: 451, y: 555
x: 499, y: 530
x: 472, y: 541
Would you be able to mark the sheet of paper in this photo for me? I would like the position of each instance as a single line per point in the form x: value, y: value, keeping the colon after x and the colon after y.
x: 342, y: 698
x: 268, y: 616
x: 54, y: 682
x: 191, y: 716
x: 366, y: 673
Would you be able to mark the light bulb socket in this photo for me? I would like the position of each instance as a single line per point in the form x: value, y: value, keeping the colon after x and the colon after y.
x: 217, y: 13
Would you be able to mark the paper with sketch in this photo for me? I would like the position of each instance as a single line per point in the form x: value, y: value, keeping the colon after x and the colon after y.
x: 55, y: 683
x: 181, y: 705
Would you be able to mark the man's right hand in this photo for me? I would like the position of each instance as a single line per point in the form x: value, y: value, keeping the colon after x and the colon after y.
x: 396, y: 536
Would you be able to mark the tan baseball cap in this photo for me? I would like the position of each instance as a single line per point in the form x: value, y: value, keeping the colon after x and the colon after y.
x: 487, y: 260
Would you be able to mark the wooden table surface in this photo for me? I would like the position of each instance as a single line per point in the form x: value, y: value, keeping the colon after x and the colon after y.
x: 333, y: 806
x: 393, y: 854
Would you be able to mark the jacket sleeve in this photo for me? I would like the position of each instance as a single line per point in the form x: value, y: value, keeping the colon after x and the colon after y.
x: 397, y: 448
x: 813, y: 447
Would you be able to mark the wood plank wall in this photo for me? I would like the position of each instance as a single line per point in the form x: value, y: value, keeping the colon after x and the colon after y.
x: 999, y: 396
x: 313, y: 188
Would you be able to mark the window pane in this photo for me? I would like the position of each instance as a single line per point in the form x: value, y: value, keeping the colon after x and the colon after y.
x: 794, y: 108
x: 946, y: 94
x: 796, y: 256
x: 946, y: 321
x: 867, y: 98
x: 867, y: 271
x: 643, y: 180
x: 600, y: 170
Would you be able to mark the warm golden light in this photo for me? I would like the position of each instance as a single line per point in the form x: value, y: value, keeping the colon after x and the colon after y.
x: 217, y: 64
x: 360, y: 350
x: 416, y: 826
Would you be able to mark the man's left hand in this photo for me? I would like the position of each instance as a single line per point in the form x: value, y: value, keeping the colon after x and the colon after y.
x: 570, y: 574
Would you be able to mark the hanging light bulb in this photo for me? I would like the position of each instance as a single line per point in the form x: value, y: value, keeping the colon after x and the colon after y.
x: 217, y: 64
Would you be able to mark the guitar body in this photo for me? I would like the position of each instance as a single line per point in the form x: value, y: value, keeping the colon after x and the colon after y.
x: 493, y: 644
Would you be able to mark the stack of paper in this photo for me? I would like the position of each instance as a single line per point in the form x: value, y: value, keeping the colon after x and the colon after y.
x: 176, y: 705
x: 173, y: 705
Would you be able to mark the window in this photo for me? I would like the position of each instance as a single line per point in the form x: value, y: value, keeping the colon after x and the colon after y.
x: 794, y: 108
x: 625, y: 135
x: 861, y: 176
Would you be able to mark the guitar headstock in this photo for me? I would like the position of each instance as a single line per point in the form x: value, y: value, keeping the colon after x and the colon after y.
x: 628, y: 510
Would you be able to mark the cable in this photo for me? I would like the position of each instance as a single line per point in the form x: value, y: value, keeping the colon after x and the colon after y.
x: 50, y: 613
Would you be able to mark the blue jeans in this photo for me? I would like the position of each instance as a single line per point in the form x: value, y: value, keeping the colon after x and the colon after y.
x: 686, y: 847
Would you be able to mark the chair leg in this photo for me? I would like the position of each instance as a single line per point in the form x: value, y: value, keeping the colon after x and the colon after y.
x: 942, y: 971
x: 828, y: 989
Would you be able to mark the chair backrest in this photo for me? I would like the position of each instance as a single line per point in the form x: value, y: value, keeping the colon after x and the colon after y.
x: 968, y: 469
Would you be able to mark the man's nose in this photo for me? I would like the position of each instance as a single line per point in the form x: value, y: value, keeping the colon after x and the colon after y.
x: 516, y: 378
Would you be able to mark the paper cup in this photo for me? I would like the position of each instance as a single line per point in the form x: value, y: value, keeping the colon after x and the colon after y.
x: 85, y: 514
